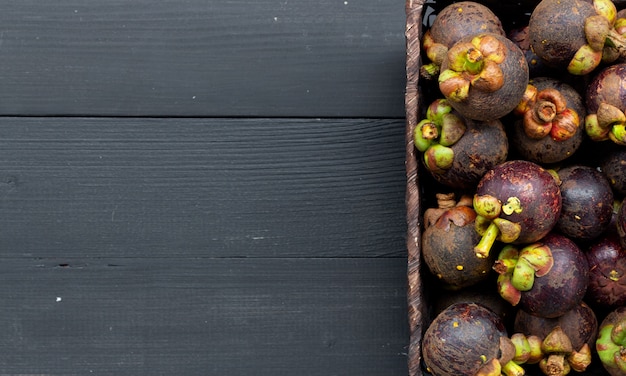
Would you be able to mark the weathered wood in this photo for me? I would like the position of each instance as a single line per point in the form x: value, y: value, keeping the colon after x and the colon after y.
x: 203, y: 58
x: 137, y: 187
x: 177, y: 316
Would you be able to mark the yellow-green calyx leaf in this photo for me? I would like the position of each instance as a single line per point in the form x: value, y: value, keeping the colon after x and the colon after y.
x: 513, y: 205
x: 607, y: 9
x: 585, y: 60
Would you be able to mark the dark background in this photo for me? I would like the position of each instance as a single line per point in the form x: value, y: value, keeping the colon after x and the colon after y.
x: 202, y: 187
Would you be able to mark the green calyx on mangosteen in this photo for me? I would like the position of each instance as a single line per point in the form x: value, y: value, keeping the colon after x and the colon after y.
x: 517, y: 269
x: 606, y: 102
x: 576, y: 34
x: 452, y: 23
x: 458, y: 151
x: 434, y: 135
x: 611, y: 342
x: 484, y: 76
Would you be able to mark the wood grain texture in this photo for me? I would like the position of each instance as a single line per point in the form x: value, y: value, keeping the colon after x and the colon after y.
x: 203, y: 316
x: 126, y: 187
x: 327, y: 58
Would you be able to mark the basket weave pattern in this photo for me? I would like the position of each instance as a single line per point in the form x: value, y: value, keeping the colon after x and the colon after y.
x: 415, y: 296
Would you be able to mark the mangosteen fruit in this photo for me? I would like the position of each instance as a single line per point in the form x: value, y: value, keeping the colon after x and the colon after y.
x: 549, y: 127
x: 464, y: 339
x: 452, y: 23
x: 606, y: 101
x: 561, y: 288
x: 458, y: 151
x: 517, y: 202
x: 587, y: 202
x: 576, y: 35
x: 447, y: 245
x: 607, y: 272
x: 611, y: 342
x: 580, y: 324
x: 484, y: 76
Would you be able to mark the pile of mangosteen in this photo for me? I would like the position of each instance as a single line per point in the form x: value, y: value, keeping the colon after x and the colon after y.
x: 522, y: 146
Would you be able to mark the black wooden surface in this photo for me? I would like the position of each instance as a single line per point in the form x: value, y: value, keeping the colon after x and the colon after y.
x: 202, y: 188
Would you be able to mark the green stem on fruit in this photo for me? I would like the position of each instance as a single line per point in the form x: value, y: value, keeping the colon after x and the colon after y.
x: 513, y: 369
x: 483, y: 247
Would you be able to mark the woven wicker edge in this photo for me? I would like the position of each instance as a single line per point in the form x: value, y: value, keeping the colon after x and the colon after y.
x: 415, y: 295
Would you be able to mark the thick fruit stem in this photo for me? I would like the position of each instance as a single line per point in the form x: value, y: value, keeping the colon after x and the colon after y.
x: 483, y: 247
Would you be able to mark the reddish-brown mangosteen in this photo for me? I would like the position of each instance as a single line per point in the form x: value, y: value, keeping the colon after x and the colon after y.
x: 587, y: 202
x: 448, y: 241
x: 606, y: 103
x: 579, y: 323
x: 573, y: 34
x: 458, y: 151
x: 462, y: 339
x: 453, y: 23
x: 484, y: 76
x: 607, y: 272
x: 564, y: 285
x: 550, y: 125
x: 517, y: 202
x: 611, y: 342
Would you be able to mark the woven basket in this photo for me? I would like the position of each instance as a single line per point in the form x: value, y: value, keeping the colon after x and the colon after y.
x: 416, y: 301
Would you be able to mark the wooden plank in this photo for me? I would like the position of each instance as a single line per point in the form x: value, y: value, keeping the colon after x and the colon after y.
x: 327, y: 58
x: 148, y: 187
x: 203, y: 316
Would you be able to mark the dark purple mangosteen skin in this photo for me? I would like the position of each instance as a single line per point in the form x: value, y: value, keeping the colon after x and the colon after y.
x: 607, y: 272
x: 564, y: 286
x: 537, y: 190
x: 587, y: 202
x: 608, y: 86
x: 458, y: 20
x: 579, y: 323
x: 447, y: 249
x: 483, y: 146
x: 556, y: 30
x: 459, y: 339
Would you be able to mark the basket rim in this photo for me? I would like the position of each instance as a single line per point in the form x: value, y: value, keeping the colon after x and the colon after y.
x: 415, y: 295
